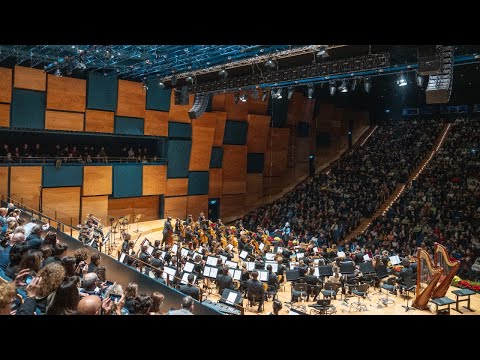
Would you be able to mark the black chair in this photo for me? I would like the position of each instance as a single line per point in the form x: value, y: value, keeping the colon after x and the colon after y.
x: 323, y: 307
x: 330, y: 290
x: 389, y: 286
x: 299, y: 292
x: 405, y: 290
x: 313, y: 290
x: 253, y: 302
x: 361, y: 293
x: 271, y: 292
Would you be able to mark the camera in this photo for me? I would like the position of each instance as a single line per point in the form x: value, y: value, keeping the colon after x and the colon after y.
x: 28, y: 279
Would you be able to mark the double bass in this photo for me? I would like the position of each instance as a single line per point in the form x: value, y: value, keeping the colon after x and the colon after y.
x: 168, y: 232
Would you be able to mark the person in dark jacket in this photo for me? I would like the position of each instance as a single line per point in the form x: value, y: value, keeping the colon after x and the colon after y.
x: 190, y: 289
x: 224, y: 281
x: 34, y: 240
x: 255, y: 290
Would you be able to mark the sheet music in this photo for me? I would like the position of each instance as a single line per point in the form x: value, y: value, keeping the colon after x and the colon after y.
x: 212, y: 261
x: 300, y: 255
x: 366, y: 257
x: 315, y: 249
x: 210, y: 272
x: 231, y: 264
x: 250, y: 265
x: 188, y: 267
x: 243, y: 255
x: 262, y: 275
x: 261, y: 246
x: 395, y: 260
x: 200, y: 249
x: 316, y: 261
x: 195, y: 255
x: 341, y: 254
x: 224, y: 258
x: 184, y: 252
x: 170, y: 271
x: 174, y: 248
x: 273, y: 264
x: 184, y: 280
x: 122, y: 257
x: 316, y: 272
x: 229, y: 246
x: 292, y: 265
x: 150, y: 250
x: 231, y: 298
x: 269, y: 256
x: 162, y: 254
x: 237, y: 274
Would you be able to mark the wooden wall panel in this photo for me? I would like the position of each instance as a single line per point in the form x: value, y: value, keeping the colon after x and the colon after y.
x: 215, y: 181
x: 97, y: 206
x: 275, y: 162
x: 278, y: 138
x: 29, y: 78
x: 25, y: 182
x: 3, y: 181
x: 302, y: 152
x: 5, y: 85
x: 255, y: 184
x: 154, y: 179
x: 176, y: 207
x: 99, y: 121
x: 62, y: 204
x: 66, y: 93
x: 257, y: 106
x: 234, y: 169
x: 238, y: 111
x: 218, y: 102
x: 132, y: 99
x: 177, y: 187
x: 179, y: 113
x: 97, y: 180
x: 148, y: 206
x: 325, y: 115
x: 5, y: 115
x: 197, y: 204
x: 230, y: 204
x: 61, y: 120
x: 202, y: 140
x: 258, y: 130
x: 156, y: 123
x: 216, y: 120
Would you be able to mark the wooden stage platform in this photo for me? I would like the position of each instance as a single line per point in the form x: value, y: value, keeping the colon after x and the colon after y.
x: 153, y: 231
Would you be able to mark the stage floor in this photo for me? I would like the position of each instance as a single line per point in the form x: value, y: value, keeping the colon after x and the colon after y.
x: 153, y: 231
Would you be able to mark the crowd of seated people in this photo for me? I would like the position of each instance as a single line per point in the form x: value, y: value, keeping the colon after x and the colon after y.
x: 333, y: 203
x: 39, y: 276
x: 12, y: 153
x: 441, y: 205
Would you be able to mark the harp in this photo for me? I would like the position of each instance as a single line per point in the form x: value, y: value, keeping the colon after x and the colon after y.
x: 428, y: 276
x: 450, y: 268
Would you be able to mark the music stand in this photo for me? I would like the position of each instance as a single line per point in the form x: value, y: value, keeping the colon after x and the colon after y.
x: 137, y: 219
x: 114, y: 228
x: 292, y: 275
x: 231, y: 297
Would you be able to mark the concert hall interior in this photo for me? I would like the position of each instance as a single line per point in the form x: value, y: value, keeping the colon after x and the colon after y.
x: 239, y: 180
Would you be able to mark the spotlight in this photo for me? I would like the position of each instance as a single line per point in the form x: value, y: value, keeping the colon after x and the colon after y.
x: 270, y: 64
x: 264, y: 95
x: 322, y: 50
x: 401, y: 80
x: 58, y: 73
x: 243, y: 97
x: 223, y: 74
x: 145, y: 86
x: 343, y: 88
x: 419, y: 80
x: 189, y: 79
x: 161, y: 84
x: 290, y: 92
x: 367, y: 85
x: 236, y: 97
x: 354, y: 84
x: 310, y: 91
x: 332, y: 88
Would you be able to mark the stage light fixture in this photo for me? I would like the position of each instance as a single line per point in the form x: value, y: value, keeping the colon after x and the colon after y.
x: 223, y: 74
x: 419, y: 80
x: 310, y: 91
x: 243, y: 97
x: 161, y: 84
x: 332, y: 88
x: 189, y: 79
x: 354, y: 84
x: 58, y: 73
x: 343, y: 88
x: 270, y: 64
x: 264, y: 95
x: 255, y: 94
x: 290, y: 92
x: 367, y: 84
x: 401, y: 81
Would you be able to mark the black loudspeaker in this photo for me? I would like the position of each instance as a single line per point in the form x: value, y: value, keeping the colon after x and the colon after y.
x: 311, y: 165
x: 181, y: 96
x: 199, y: 106
x: 430, y: 59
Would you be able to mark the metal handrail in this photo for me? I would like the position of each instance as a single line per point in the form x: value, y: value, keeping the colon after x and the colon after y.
x: 77, y: 160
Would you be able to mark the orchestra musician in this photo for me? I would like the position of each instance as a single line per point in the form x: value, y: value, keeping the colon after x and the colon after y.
x: 405, y: 276
x: 167, y: 232
x: 144, y: 258
x: 224, y: 281
x: 255, y: 290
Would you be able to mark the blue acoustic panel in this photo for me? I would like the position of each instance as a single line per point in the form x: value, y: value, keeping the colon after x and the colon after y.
x: 235, y: 132
x: 198, y: 182
x: 303, y: 129
x: 127, y: 181
x: 255, y: 163
x: 62, y: 176
x: 129, y: 125
x: 102, y: 92
x: 216, y: 157
x: 178, y: 155
x: 28, y: 109
x: 179, y: 130
x: 157, y: 97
